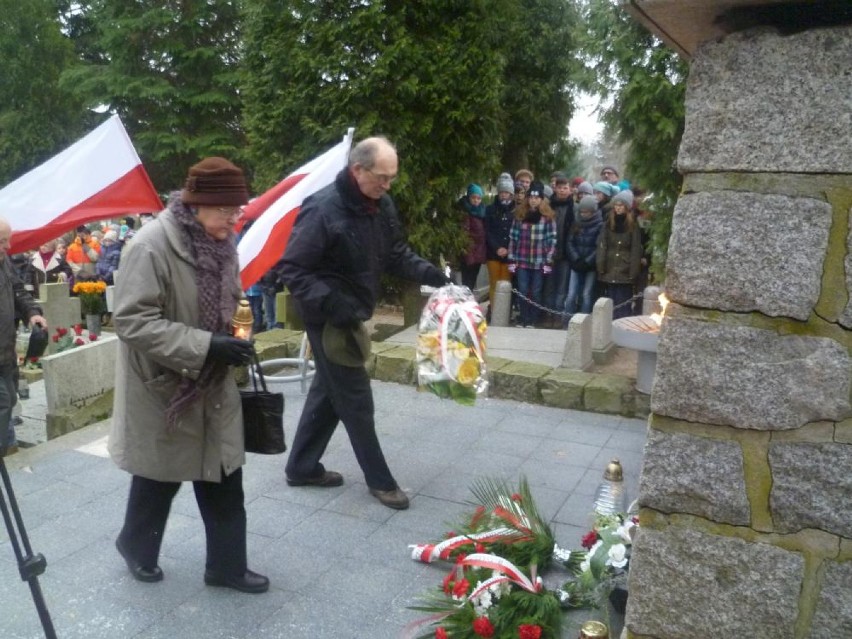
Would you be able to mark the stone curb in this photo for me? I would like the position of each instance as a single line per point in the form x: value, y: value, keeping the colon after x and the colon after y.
x: 519, y: 381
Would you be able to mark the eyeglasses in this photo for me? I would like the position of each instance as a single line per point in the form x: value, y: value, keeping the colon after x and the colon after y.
x: 228, y: 212
x: 607, y: 173
x: 381, y: 177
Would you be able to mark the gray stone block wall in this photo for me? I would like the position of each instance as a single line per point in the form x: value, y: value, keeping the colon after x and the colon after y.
x: 759, y: 101
x: 745, y: 524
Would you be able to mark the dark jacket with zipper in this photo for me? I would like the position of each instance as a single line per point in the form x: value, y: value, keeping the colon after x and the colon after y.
x: 343, y: 241
x: 498, y: 223
x: 15, y: 302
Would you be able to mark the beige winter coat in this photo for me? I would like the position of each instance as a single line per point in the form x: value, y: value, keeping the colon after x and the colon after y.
x: 155, y: 315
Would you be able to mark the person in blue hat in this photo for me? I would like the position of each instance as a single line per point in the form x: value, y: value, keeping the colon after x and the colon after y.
x: 473, y: 226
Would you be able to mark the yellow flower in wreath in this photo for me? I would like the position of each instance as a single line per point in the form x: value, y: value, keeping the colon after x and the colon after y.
x: 468, y: 371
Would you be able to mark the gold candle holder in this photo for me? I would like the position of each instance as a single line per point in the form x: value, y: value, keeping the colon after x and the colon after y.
x: 243, y: 321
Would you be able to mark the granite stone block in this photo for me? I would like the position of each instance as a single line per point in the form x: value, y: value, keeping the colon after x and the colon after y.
x: 762, y: 101
x: 564, y: 388
x: 811, y: 485
x: 519, y: 381
x: 609, y: 394
x: 731, y: 251
x: 833, y: 615
x: 694, y: 475
x: 686, y: 583
x: 396, y: 365
x: 748, y: 377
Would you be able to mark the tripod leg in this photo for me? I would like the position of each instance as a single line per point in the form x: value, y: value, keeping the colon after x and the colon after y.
x: 30, y: 566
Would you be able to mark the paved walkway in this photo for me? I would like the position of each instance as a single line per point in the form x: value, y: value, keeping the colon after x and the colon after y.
x: 338, y: 560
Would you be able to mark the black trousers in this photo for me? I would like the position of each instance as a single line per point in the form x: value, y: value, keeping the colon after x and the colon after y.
x: 222, y: 508
x: 338, y: 393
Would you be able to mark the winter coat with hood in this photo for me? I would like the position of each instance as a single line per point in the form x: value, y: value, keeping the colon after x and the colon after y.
x: 156, y: 317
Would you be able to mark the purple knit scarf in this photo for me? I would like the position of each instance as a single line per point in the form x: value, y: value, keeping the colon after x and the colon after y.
x: 214, y: 267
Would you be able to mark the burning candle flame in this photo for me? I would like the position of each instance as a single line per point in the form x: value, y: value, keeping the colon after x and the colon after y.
x: 658, y: 317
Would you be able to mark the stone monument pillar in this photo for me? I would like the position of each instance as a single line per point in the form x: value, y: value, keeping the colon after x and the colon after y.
x: 746, y: 489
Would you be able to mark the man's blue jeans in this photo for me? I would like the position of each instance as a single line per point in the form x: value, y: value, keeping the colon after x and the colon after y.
x: 581, y: 290
x: 530, y: 283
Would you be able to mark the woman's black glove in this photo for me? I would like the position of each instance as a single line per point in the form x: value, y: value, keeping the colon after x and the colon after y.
x: 229, y: 350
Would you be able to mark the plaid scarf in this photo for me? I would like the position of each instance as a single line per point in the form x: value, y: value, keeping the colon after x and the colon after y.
x: 214, y: 264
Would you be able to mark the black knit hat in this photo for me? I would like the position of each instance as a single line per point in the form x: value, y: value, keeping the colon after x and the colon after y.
x: 536, y: 188
x: 215, y: 181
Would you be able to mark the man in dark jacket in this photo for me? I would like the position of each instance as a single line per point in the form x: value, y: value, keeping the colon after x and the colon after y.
x: 14, y: 301
x: 345, y: 237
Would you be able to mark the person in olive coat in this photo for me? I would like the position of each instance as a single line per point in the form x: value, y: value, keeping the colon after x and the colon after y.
x: 619, y: 254
x: 177, y: 411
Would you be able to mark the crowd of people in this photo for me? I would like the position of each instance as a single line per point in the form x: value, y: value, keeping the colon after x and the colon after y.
x: 562, y: 245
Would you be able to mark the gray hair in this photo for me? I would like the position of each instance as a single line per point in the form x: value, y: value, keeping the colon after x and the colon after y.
x: 365, y: 152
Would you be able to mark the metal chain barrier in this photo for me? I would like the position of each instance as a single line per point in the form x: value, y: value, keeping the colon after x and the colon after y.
x: 563, y: 313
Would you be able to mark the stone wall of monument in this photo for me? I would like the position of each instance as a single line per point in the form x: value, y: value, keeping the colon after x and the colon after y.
x: 746, y: 490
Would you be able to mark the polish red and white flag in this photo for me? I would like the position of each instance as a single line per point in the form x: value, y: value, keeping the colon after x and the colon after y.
x: 98, y: 177
x: 274, y: 212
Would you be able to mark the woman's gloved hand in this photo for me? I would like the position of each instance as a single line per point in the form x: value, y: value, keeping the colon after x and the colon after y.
x: 229, y: 350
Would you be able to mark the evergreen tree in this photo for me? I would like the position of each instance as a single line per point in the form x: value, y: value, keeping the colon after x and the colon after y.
x: 169, y: 68
x: 539, y: 44
x: 37, y: 118
x: 643, y: 82
x: 428, y: 75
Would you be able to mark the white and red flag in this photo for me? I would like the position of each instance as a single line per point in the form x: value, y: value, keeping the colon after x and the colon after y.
x: 98, y: 177
x: 274, y: 212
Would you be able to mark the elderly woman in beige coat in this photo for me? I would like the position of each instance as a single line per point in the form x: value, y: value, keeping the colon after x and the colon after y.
x: 177, y: 414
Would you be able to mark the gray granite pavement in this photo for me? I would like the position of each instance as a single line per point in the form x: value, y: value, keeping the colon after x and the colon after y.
x: 338, y: 560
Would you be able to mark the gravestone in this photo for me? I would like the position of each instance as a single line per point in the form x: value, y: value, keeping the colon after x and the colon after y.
x: 60, y: 309
x: 76, y: 383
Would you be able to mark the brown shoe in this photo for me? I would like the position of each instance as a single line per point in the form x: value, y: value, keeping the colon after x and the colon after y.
x: 328, y: 479
x: 391, y: 498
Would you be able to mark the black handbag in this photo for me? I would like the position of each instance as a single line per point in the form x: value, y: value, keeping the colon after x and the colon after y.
x: 263, y: 416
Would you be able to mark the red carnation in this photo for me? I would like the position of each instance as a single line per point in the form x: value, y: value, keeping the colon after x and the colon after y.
x: 516, y: 497
x: 93, y: 337
x: 450, y: 534
x: 79, y: 341
x: 529, y: 631
x: 33, y: 360
x: 483, y: 627
x: 460, y: 588
x: 56, y: 338
x: 62, y: 331
x: 78, y: 329
x: 589, y: 539
x: 460, y: 557
x: 448, y: 580
x: 479, y: 547
x: 440, y: 633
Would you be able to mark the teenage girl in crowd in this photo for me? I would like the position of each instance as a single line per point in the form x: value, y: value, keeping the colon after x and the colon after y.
x: 473, y: 226
x: 581, y: 249
x: 532, y: 242
x: 619, y: 254
x: 498, y: 223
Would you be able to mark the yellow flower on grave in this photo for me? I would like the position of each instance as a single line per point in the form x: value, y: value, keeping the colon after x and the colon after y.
x: 468, y: 371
